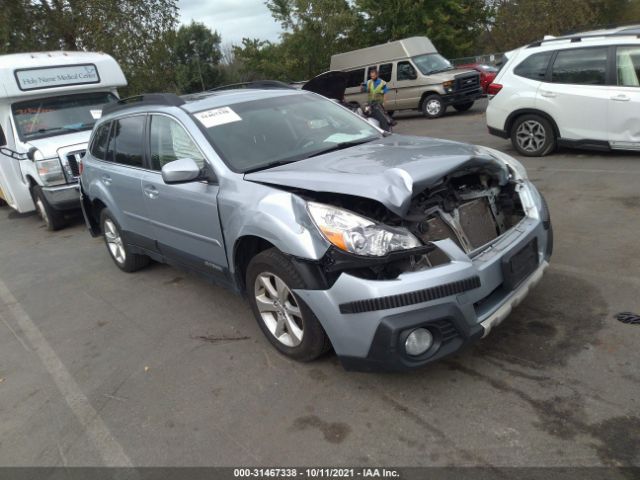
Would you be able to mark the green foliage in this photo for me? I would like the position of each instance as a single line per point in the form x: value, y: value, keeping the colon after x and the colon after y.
x: 196, y: 56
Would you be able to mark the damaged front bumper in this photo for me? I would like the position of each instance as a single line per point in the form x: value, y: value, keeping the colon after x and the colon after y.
x: 459, y: 302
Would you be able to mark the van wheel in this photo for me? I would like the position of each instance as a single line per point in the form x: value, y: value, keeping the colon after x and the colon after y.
x: 463, y: 107
x: 432, y: 106
x: 120, y: 252
x: 533, y: 136
x: 287, y: 322
x: 53, y: 219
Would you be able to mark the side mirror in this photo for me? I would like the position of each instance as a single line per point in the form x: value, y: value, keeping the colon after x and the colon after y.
x: 183, y: 170
x: 31, y: 153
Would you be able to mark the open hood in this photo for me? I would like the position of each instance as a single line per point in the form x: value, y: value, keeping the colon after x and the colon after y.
x: 390, y: 170
x: 331, y: 84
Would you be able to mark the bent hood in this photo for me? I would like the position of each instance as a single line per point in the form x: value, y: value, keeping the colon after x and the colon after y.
x: 390, y: 170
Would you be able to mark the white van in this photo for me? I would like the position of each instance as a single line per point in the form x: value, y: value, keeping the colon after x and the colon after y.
x: 49, y: 102
x: 418, y: 77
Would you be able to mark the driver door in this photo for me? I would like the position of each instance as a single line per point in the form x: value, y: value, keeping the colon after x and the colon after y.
x: 407, y: 92
x: 184, y: 217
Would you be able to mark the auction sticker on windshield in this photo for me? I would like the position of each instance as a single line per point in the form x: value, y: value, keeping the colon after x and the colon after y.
x: 217, y: 116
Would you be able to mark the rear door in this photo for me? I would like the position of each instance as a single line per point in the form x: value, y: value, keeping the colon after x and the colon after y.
x: 120, y: 174
x: 624, y: 101
x: 185, y: 216
x: 575, y: 93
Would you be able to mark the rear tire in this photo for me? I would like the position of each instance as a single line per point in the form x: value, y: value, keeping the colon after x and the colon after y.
x: 287, y: 322
x: 119, y: 251
x: 463, y: 107
x: 433, y: 107
x: 52, y: 218
x: 533, y: 136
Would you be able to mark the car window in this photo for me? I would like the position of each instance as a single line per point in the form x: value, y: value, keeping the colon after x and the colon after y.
x: 356, y: 77
x: 385, y: 70
x: 3, y: 139
x: 128, y: 135
x: 580, y: 66
x: 406, y: 71
x: 169, y: 141
x: 100, y: 141
x: 628, y: 66
x: 534, y: 67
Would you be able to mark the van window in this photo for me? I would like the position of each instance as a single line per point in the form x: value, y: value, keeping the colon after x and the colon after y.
x: 385, y: 71
x: 3, y: 139
x: 628, y: 66
x: 169, y: 141
x: 534, y: 67
x: 127, y: 133
x: 406, y: 71
x: 580, y: 66
x: 98, y: 146
x: 356, y: 78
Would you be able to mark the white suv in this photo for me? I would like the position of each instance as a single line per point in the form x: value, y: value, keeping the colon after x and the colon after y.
x: 581, y: 90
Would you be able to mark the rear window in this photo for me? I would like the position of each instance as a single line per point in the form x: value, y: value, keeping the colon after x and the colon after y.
x: 534, y: 67
x: 355, y: 78
x: 127, y: 133
x: 580, y: 66
x: 100, y: 141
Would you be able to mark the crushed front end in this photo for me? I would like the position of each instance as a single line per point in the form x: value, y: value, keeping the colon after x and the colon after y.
x: 486, y: 240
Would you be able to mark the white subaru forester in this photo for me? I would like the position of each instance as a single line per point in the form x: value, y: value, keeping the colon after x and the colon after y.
x: 581, y: 90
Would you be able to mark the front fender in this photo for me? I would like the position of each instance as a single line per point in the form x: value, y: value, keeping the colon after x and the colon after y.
x: 277, y: 216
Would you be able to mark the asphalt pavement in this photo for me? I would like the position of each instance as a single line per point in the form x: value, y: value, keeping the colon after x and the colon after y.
x: 99, y: 367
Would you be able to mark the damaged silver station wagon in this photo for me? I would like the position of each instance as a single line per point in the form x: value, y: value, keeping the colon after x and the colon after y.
x: 393, y: 250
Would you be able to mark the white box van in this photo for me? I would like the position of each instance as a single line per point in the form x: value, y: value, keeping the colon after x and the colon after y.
x: 49, y: 102
x: 418, y: 77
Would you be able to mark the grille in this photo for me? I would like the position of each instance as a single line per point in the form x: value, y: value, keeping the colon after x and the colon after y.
x: 410, y: 298
x: 73, y: 162
x: 447, y: 329
x: 467, y: 82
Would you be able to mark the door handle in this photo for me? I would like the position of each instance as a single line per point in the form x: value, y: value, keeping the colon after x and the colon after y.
x: 106, y: 179
x: 548, y: 94
x: 621, y: 98
x: 151, y: 191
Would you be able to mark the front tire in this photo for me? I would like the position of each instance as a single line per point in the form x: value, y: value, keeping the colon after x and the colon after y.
x: 433, y: 106
x: 463, y: 107
x: 533, y: 136
x: 52, y: 218
x: 119, y: 251
x: 287, y: 322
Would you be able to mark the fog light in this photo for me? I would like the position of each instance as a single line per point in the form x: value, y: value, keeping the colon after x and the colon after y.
x: 418, y: 342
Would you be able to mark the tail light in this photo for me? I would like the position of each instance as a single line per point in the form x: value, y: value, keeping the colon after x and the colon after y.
x: 493, y: 89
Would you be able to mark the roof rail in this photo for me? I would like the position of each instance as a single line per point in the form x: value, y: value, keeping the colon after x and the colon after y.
x: 167, y: 99
x: 257, y: 84
x: 633, y: 30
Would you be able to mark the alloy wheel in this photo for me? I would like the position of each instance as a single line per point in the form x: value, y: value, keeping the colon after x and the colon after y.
x: 278, y: 309
x: 531, y: 136
x: 114, y: 241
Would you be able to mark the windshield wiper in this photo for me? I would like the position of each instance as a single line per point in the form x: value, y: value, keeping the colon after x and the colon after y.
x: 342, y: 146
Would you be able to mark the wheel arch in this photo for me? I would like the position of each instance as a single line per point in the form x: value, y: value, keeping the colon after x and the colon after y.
x: 513, y: 116
x: 244, y: 249
x: 425, y: 95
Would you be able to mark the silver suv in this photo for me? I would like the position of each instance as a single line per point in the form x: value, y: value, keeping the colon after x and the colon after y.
x: 393, y: 250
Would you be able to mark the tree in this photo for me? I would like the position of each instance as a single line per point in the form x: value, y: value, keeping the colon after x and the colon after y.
x: 196, y: 55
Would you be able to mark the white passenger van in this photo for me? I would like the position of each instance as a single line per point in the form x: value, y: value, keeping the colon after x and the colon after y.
x: 417, y: 76
x: 49, y: 102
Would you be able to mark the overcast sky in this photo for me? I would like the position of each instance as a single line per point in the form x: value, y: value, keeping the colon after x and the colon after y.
x: 233, y: 19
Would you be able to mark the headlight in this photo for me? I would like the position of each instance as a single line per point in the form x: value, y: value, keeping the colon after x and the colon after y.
x: 355, y: 234
x: 519, y: 172
x: 50, y: 171
x: 448, y: 85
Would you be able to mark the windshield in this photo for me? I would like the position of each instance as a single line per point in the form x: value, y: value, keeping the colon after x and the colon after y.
x: 432, y: 63
x: 262, y: 133
x: 51, y: 116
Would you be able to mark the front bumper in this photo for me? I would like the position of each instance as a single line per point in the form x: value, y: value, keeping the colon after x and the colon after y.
x: 459, y: 302
x: 461, y: 97
x: 64, y: 197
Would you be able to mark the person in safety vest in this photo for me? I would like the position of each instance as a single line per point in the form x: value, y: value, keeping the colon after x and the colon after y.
x: 377, y: 89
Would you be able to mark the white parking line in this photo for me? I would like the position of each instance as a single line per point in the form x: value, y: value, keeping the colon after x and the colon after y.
x: 108, y: 447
